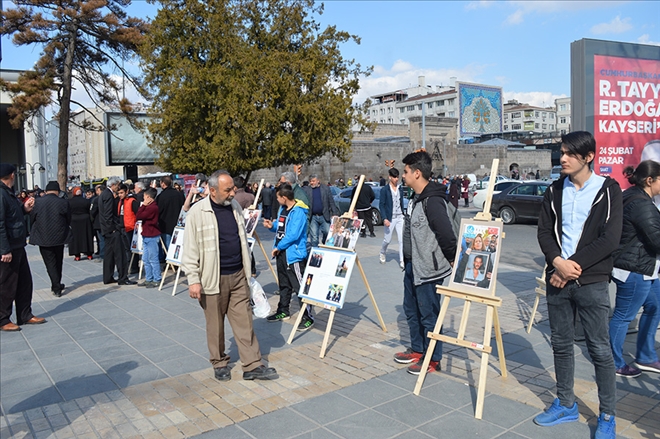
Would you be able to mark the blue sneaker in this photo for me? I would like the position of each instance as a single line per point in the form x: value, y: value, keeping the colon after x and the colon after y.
x: 557, y: 414
x: 606, y: 427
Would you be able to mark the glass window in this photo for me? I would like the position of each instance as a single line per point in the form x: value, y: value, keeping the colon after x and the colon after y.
x: 429, y: 105
x: 562, y: 107
x: 545, y: 125
x: 452, y: 114
x: 524, y: 189
x: 562, y: 120
x: 419, y: 106
x: 536, y: 125
x: 506, y: 127
x: 402, y: 110
x: 536, y: 114
x: 516, y: 126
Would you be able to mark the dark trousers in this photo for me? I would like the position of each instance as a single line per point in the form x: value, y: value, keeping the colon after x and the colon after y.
x: 289, y: 278
x: 100, y: 243
x: 114, y: 255
x: 366, y: 216
x: 16, y: 286
x: 421, y: 305
x: 592, y: 303
x: 53, y: 259
x: 126, y: 238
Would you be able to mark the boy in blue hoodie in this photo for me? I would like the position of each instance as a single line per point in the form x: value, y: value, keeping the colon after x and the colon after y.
x: 290, y: 251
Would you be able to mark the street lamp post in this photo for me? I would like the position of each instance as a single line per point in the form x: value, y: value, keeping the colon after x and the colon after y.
x: 22, y: 169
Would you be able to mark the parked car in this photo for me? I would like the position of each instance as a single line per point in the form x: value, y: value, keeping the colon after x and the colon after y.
x: 479, y: 197
x: 343, y: 202
x: 555, y: 173
x: 521, y: 201
x: 486, y: 179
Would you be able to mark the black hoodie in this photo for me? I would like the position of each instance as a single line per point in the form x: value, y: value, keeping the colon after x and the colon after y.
x: 600, y: 234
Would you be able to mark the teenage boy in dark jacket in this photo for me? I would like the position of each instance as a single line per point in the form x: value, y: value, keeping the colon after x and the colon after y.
x: 429, y: 248
x: 579, y: 228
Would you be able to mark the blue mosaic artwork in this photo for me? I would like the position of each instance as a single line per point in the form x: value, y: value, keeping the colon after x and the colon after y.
x: 480, y: 109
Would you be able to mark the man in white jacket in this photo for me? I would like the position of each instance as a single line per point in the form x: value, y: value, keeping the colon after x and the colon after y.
x: 215, y: 238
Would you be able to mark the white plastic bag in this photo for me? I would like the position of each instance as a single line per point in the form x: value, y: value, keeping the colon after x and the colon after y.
x: 258, y: 300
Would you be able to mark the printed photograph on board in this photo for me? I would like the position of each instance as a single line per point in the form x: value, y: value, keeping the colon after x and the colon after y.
x: 175, y: 250
x: 316, y: 259
x: 344, y: 232
x: 136, y: 241
x: 477, y: 255
x: 251, y: 220
x: 326, y: 276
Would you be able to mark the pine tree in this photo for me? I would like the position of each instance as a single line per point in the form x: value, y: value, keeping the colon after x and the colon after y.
x: 82, y: 40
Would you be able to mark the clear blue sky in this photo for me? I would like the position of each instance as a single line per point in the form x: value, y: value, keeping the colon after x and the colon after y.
x: 523, y: 46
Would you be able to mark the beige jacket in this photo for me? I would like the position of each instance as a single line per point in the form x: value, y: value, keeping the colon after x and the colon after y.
x: 201, y: 256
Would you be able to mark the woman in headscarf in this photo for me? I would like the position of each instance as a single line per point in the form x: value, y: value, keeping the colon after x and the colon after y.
x: 81, y: 226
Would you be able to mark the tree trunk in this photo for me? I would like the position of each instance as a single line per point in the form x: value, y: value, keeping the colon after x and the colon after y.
x: 65, y: 110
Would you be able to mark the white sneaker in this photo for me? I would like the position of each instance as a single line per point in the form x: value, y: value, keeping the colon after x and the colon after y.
x: 382, y: 258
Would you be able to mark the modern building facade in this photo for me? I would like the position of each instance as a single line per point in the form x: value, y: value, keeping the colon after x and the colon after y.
x: 25, y: 147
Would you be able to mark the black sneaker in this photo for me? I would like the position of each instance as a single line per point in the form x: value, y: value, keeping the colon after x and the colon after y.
x: 260, y: 373
x: 222, y: 373
x: 372, y: 235
x: 152, y: 284
x: 306, y: 324
x: 278, y: 317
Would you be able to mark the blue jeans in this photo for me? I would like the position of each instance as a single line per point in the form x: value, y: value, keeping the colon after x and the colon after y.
x: 166, y: 240
x: 421, y: 305
x: 318, y: 230
x: 631, y: 295
x: 592, y: 303
x: 150, y: 259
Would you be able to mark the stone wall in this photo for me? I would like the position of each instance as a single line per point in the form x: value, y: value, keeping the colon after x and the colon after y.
x: 367, y: 157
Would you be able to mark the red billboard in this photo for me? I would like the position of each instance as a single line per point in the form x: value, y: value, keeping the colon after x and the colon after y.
x: 626, y: 113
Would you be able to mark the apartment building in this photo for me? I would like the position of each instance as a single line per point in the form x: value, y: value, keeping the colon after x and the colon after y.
x: 563, y: 107
x: 396, y: 107
x: 528, y: 118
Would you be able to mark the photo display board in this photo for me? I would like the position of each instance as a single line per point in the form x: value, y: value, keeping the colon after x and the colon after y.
x: 251, y: 217
x: 344, y: 232
x: 326, y: 276
x: 477, y: 257
x: 136, y: 241
x: 175, y: 250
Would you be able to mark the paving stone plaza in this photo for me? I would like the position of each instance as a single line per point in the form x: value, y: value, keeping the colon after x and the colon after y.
x: 132, y: 362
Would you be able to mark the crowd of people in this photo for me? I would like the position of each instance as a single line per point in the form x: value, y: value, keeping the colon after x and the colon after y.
x: 588, y: 230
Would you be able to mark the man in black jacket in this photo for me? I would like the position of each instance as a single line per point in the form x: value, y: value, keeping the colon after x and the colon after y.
x: 579, y: 228
x: 323, y: 207
x: 15, y: 275
x: 51, y: 221
x: 363, y: 208
x: 110, y: 229
x: 170, y: 201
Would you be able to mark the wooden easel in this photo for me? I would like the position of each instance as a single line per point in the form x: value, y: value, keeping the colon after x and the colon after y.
x: 331, y: 308
x: 167, y: 267
x: 256, y: 235
x: 540, y: 291
x: 492, y: 320
x: 130, y: 264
